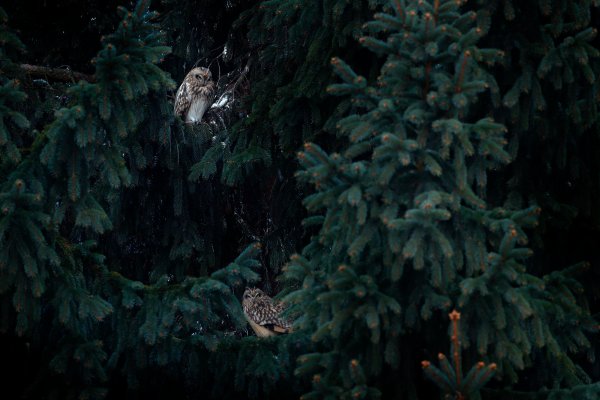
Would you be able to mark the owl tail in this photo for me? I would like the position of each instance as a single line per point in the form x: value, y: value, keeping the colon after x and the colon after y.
x: 281, y: 329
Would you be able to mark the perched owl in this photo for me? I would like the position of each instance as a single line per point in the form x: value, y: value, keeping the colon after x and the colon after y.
x: 263, y: 314
x: 195, y: 94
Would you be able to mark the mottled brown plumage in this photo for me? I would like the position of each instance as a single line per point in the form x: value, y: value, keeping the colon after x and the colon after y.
x: 195, y: 94
x: 263, y: 314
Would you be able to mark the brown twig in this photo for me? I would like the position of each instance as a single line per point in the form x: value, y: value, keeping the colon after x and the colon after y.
x: 55, y: 74
x: 454, y: 317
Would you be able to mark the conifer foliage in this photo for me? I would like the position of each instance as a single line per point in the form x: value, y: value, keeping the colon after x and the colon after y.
x: 64, y: 190
x: 10, y: 95
x: 128, y: 237
x: 449, y: 377
x: 406, y: 231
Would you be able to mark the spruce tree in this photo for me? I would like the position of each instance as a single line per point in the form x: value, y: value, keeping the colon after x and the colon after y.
x: 406, y: 230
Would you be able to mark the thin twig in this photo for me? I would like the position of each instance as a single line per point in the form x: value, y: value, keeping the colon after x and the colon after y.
x: 232, y: 86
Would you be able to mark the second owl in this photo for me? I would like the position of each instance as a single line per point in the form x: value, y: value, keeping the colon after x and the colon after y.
x: 263, y: 314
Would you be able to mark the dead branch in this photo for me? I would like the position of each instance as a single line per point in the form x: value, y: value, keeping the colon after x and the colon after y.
x: 228, y: 94
x: 231, y: 88
x: 56, y: 74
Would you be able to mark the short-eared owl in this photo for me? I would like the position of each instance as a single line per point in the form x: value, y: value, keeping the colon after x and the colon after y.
x: 263, y: 313
x: 195, y: 94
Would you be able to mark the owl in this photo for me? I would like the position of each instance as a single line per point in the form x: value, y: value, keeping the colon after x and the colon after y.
x: 195, y: 94
x: 263, y: 313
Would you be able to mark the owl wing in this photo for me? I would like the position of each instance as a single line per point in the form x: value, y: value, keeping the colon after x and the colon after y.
x: 270, y: 317
x: 183, y: 99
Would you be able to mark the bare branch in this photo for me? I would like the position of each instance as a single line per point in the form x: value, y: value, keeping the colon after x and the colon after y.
x: 225, y: 97
x: 56, y: 74
x: 232, y: 87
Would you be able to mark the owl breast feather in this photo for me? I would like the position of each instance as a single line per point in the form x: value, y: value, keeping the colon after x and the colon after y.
x: 196, y: 110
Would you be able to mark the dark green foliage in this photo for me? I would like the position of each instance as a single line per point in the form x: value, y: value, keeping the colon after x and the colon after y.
x: 407, y: 228
x: 548, y: 98
x: 88, y: 141
x: 11, y: 95
x: 448, y: 162
x: 13, y: 124
x: 294, y: 40
x: 75, y: 260
x: 293, y: 100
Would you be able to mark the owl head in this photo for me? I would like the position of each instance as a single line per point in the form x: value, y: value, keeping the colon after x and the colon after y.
x: 252, y: 293
x: 201, y: 74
